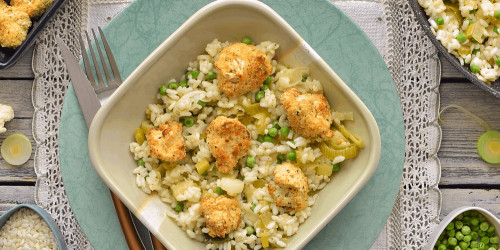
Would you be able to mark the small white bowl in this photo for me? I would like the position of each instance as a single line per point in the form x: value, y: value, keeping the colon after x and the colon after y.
x: 113, y: 126
x: 490, y: 218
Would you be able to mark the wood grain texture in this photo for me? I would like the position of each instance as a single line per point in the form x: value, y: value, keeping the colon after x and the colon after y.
x: 454, y: 198
x: 17, y: 94
x: 449, y: 71
x: 460, y: 163
x: 22, y: 69
x: 13, y: 195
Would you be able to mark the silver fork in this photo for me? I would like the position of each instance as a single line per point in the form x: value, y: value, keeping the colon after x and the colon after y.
x: 102, y: 90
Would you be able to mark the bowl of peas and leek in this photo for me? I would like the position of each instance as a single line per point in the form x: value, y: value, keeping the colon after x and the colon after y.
x: 466, y: 228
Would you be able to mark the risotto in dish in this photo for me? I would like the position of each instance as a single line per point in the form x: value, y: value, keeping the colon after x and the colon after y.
x: 240, y: 145
x: 468, y: 29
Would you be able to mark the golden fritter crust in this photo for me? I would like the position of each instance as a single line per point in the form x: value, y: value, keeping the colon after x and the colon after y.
x: 291, y: 187
x: 229, y: 140
x: 308, y: 114
x: 3, y: 4
x: 14, y: 25
x: 241, y: 68
x: 34, y: 8
x: 222, y: 215
x: 165, y: 143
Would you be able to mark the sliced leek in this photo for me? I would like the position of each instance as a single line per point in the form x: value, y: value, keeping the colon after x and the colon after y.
x: 202, y: 166
x: 16, y: 149
x: 139, y: 136
x: 254, y: 108
x: 146, y: 125
x: 330, y: 153
x: 324, y: 169
x: 353, y: 137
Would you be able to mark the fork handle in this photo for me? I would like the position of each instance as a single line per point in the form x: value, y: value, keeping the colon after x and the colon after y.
x: 128, y: 229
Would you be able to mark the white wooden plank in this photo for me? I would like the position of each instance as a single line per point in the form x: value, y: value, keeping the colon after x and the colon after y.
x: 460, y: 163
x: 454, y: 198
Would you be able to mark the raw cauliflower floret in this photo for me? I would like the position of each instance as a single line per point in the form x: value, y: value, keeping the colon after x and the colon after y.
x: 6, y: 114
x: 241, y: 68
x: 165, y: 143
x: 222, y: 214
x: 229, y: 140
x: 291, y: 187
x: 308, y: 114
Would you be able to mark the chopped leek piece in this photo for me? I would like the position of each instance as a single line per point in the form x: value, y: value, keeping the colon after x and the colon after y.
x: 259, y: 183
x: 266, y: 218
x: 488, y: 146
x: 146, y: 125
x: 353, y: 137
x: 330, y: 153
x: 139, y: 136
x: 202, y: 166
x: 16, y: 149
x: 324, y: 169
x: 254, y: 108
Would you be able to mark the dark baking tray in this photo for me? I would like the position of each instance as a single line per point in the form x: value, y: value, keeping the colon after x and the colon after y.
x: 422, y: 18
x: 8, y: 56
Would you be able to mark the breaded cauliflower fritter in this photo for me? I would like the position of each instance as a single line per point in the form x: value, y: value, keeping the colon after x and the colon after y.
x: 3, y: 4
x: 14, y: 25
x: 34, y: 8
x: 222, y: 215
x: 308, y: 114
x: 241, y: 68
x: 229, y: 140
x: 291, y: 187
x: 165, y: 142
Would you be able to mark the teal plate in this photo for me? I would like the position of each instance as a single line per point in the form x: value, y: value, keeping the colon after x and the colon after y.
x: 142, y: 26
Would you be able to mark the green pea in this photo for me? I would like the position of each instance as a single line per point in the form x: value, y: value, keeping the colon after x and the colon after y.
x: 474, y: 40
x: 304, y: 78
x: 481, y: 233
x: 497, y: 14
x: 253, y: 206
x: 472, y: 11
x: 474, y: 235
x: 440, y: 21
x: 484, y: 226
x: 272, y: 132
x: 183, y: 83
x: 463, y: 245
x: 250, y: 161
x: 141, y: 163
x: 247, y: 40
x: 194, y: 74
x: 260, y: 138
x: 268, y: 80
x: 211, y: 75
x: 163, y: 90
x: 481, y: 246
x: 459, y: 225
x: 179, y: 206
x: 451, y: 233
x: 450, y: 226
x: 259, y: 95
x: 220, y: 191
x: 474, y: 69
x: 336, y: 167
x: 461, y: 37
x: 291, y: 155
x: 284, y: 131
x: 467, y: 238
x: 494, y: 239
x: 497, y: 61
x: 495, y: 29
x: 466, y: 230
x: 264, y: 87
x: 202, y: 103
x: 188, y: 121
x: 474, y: 244
x: 491, y: 229
x: 442, y: 247
x: 250, y: 230
x: 173, y: 85
x: 276, y: 124
x: 268, y: 138
x: 485, y: 239
x: 474, y: 51
x: 452, y: 241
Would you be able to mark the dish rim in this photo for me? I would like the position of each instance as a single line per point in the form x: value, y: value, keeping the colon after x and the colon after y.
x: 61, y: 243
x: 422, y: 18
x: 154, y: 56
x: 31, y: 36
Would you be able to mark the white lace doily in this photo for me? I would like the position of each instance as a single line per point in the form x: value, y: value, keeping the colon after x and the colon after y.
x: 409, y: 55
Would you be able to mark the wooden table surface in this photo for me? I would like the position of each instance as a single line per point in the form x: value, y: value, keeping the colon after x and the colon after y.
x: 465, y: 178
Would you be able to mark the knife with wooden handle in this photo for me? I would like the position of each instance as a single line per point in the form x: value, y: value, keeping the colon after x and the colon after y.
x: 89, y: 103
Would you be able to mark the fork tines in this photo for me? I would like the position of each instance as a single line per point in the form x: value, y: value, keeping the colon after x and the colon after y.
x: 88, y: 69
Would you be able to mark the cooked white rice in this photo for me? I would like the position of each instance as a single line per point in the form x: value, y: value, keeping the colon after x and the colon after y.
x: 183, y: 102
x: 26, y: 229
x: 481, y: 14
